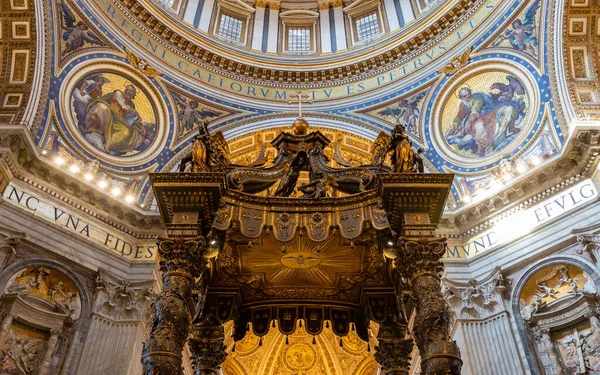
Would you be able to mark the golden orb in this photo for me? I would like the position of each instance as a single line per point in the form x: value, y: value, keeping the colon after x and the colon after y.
x: 300, y: 127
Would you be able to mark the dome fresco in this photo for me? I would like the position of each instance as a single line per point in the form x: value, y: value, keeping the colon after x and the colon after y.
x: 293, y: 184
x: 129, y: 88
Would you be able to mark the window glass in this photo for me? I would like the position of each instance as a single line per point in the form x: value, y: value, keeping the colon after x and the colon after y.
x: 299, y: 39
x: 367, y: 26
x: 167, y: 3
x: 230, y: 27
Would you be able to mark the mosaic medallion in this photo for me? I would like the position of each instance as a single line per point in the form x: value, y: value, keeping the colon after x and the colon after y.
x: 484, y: 112
x: 113, y: 114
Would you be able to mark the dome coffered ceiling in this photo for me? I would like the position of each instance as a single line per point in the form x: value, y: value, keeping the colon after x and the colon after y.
x: 426, y: 65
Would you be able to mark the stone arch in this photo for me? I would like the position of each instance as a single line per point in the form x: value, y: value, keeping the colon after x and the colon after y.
x: 69, y: 355
x: 529, y: 349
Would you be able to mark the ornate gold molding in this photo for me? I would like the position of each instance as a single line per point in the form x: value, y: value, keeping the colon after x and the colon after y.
x: 324, y: 5
x: 227, y: 64
x: 337, y: 3
x: 274, y: 5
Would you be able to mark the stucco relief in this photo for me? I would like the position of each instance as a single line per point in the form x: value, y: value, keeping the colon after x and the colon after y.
x: 559, y: 305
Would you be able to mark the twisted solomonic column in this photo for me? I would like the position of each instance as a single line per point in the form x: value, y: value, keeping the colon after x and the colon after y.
x: 206, y: 345
x: 419, y: 266
x: 393, y: 351
x: 182, y: 262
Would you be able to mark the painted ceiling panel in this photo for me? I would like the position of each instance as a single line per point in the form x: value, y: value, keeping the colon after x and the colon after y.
x: 126, y: 100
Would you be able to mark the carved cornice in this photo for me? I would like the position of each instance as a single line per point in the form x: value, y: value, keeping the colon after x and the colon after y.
x: 578, y: 161
x: 19, y: 154
x: 293, y: 73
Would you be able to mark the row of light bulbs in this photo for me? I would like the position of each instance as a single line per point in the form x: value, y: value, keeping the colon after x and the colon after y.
x: 89, y: 176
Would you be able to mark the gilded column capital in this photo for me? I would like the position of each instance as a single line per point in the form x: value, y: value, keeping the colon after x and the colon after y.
x: 324, y: 5
x: 420, y: 257
x: 337, y: 3
x: 260, y: 4
x: 274, y: 5
x: 393, y: 351
x: 183, y: 256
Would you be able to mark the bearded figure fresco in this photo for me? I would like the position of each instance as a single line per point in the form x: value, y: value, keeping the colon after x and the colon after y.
x: 486, y: 122
x: 113, y: 114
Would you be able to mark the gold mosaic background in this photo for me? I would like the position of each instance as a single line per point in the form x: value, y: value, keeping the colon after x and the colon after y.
x: 142, y: 103
x: 480, y: 82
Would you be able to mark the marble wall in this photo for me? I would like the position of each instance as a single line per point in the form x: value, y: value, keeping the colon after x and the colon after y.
x: 529, y: 306
x: 66, y: 306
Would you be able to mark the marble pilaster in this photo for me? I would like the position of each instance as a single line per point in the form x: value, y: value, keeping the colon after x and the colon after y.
x: 259, y: 23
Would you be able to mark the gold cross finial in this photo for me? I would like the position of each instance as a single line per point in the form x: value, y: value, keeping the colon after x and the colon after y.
x: 299, y: 97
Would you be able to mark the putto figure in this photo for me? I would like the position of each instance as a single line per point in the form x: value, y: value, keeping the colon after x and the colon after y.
x: 76, y: 32
x: 522, y: 36
x: 488, y: 122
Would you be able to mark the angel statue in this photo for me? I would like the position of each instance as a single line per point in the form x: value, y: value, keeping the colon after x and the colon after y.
x: 21, y: 354
x: 208, y: 153
x: 404, y: 159
x: 76, y: 32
